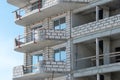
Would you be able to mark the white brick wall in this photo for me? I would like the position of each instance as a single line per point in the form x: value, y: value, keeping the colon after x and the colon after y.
x: 18, y: 71
x: 104, y: 24
x: 48, y: 52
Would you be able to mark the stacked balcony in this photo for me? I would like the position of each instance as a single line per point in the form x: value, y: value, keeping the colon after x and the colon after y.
x: 36, y: 40
x: 92, y: 69
x: 39, y: 71
x: 32, y: 13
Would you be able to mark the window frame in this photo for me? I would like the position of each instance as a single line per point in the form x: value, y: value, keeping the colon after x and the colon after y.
x: 58, y: 22
x: 34, y: 62
x: 59, y: 52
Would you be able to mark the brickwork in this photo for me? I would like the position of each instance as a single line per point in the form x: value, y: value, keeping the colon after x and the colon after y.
x: 104, y: 24
x: 68, y: 23
x: 18, y: 71
x: 55, y: 66
x: 55, y: 34
x: 48, y: 33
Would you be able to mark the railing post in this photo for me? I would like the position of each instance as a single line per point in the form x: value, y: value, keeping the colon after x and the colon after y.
x: 34, y: 39
x: 16, y: 14
x: 19, y: 16
x: 39, y: 5
x: 19, y: 41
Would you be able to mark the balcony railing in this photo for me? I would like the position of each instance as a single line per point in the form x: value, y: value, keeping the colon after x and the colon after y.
x: 90, y: 61
x: 42, y: 5
x: 41, y: 35
x: 42, y: 67
x: 96, y: 26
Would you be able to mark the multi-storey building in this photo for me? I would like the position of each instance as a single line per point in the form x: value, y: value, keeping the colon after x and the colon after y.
x: 68, y: 39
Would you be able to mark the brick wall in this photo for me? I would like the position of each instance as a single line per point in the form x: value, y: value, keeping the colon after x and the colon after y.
x: 104, y: 24
x: 48, y: 52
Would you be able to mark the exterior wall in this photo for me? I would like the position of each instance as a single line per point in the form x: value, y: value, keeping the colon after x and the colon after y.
x: 104, y: 24
x: 84, y: 50
x: 48, y: 52
x: 79, y: 19
x: 48, y: 56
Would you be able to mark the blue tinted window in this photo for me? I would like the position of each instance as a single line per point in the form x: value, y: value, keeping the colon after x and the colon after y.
x: 60, y: 54
x: 63, y: 55
x: 35, y: 60
x: 60, y: 24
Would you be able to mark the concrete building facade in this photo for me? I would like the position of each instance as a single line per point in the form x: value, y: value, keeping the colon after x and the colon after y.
x: 68, y: 39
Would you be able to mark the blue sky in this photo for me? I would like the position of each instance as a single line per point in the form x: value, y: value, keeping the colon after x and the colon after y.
x: 8, y: 31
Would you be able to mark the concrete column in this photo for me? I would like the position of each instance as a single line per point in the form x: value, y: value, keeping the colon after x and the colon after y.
x: 72, y: 59
x: 97, y: 57
x: 97, y: 52
x: 97, y: 13
x: 106, y: 12
x: 106, y: 50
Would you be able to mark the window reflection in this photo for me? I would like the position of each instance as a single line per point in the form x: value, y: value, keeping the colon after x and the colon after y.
x: 35, y: 59
x: 60, y: 54
x: 60, y: 24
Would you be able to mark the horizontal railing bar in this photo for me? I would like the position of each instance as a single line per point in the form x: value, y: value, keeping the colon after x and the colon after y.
x: 90, y: 57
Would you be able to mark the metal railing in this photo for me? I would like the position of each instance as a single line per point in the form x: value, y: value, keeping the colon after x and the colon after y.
x: 22, y: 70
x: 44, y: 4
x: 87, y: 62
x: 39, y: 35
x: 41, y: 67
x: 19, y: 13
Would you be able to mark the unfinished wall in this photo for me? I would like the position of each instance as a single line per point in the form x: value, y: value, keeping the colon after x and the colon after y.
x: 114, y: 44
x: 80, y: 19
x: 82, y: 52
x: 115, y: 76
x: 114, y: 12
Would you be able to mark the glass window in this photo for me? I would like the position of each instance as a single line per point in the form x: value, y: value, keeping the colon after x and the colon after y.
x: 34, y: 33
x: 60, y: 24
x: 35, y: 60
x: 60, y: 54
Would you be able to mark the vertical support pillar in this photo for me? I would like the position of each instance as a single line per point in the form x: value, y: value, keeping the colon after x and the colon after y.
x: 97, y: 57
x: 71, y: 46
x: 72, y: 59
x: 97, y: 13
x: 106, y: 50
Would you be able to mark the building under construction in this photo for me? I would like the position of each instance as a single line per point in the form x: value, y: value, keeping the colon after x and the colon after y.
x: 68, y: 39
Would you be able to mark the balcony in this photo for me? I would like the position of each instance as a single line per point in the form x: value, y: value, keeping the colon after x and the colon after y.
x: 90, y: 70
x: 40, y: 71
x: 26, y: 15
x: 104, y: 25
x: 39, y: 39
